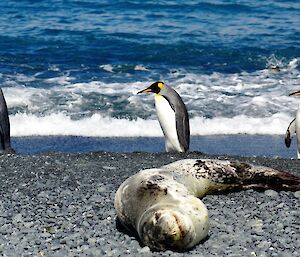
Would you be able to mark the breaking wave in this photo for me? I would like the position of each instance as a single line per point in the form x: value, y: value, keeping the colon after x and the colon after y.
x: 100, y: 126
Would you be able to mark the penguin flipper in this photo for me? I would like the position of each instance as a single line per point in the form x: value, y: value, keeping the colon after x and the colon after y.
x: 181, y: 117
x: 4, y: 124
x: 291, y: 130
x: 183, y: 130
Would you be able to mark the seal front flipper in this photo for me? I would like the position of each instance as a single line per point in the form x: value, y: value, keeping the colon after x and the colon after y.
x: 290, y: 132
x: 4, y: 126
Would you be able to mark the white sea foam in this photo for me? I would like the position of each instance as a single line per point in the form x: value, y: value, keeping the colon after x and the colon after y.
x: 62, y: 80
x: 94, y: 126
x: 273, y: 125
x: 259, y: 94
x: 293, y: 63
x: 19, y: 96
x: 251, y: 103
x: 140, y: 67
x: 117, y: 68
x: 99, y: 126
x: 106, y: 67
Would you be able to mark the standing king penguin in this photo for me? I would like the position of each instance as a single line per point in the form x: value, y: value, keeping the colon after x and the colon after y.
x: 4, y: 126
x: 294, y: 128
x: 172, y: 115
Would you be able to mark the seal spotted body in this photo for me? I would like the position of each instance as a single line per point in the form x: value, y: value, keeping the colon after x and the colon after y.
x: 162, y: 205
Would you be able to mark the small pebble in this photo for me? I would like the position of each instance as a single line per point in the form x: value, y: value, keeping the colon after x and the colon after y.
x: 17, y: 218
x: 145, y: 249
x: 297, y: 194
x: 271, y: 193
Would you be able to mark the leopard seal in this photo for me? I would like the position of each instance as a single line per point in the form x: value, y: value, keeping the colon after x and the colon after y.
x: 162, y: 204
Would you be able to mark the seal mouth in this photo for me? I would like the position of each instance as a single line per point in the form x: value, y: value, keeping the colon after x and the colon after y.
x: 166, y: 229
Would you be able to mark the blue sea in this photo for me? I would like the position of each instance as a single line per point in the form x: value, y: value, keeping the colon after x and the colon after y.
x: 70, y: 71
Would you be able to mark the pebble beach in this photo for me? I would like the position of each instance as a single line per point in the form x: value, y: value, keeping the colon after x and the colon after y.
x: 61, y: 204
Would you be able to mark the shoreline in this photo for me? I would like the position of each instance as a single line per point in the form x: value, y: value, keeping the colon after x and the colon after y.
x: 61, y: 204
x: 241, y: 145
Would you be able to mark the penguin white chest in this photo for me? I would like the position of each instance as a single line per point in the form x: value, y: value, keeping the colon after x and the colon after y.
x: 167, y: 120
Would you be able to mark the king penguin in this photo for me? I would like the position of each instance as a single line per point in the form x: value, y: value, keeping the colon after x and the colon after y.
x: 172, y: 115
x: 4, y: 127
x: 294, y: 128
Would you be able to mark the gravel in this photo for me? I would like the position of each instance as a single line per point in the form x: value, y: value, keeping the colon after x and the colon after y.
x: 62, y: 205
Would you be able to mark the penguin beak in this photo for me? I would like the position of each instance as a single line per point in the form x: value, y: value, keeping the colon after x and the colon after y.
x: 297, y: 93
x: 147, y: 90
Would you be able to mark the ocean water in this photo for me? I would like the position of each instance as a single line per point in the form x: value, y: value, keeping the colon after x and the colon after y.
x: 73, y: 67
x: 241, y: 145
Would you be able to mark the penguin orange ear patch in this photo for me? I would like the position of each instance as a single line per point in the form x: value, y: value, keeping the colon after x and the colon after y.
x: 160, y: 85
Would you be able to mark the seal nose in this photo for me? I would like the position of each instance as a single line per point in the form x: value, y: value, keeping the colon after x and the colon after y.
x: 167, y: 229
x: 170, y: 225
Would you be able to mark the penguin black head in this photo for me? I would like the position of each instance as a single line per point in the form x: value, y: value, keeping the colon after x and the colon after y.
x: 154, y: 88
x: 297, y: 93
